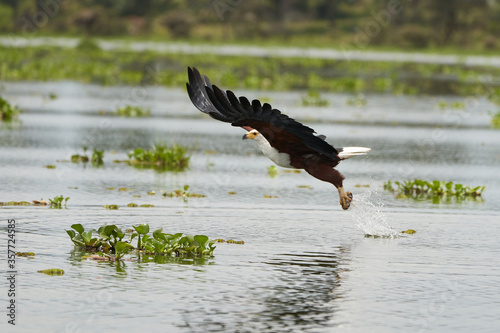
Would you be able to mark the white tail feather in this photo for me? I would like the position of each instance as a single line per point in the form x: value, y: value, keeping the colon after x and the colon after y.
x: 347, y: 152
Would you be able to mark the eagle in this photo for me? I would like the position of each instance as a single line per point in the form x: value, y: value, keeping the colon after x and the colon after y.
x: 285, y: 141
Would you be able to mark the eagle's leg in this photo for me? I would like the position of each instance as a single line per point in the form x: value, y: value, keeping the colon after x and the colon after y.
x: 345, y: 198
x: 328, y: 174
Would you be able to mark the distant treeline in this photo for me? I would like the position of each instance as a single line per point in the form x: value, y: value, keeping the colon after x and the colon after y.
x: 402, y: 23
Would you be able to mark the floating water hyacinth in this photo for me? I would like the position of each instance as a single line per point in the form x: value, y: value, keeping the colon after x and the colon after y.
x: 110, y: 239
x: 161, y: 157
x: 435, y: 190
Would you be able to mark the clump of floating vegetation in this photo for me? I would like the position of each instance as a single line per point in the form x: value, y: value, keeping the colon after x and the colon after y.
x: 313, y: 98
x: 58, y: 201
x: 111, y: 243
x: 495, y: 120
x: 25, y: 254
x: 183, y: 193
x: 435, y: 190
x: 15, y: 203
x: 8, y: 111
x: 50, y: 166
x: 76, y: 158
x: 112, y: 206
x: 272, y: 171
x: 161, y: 157
x: 96, y: 159
x: 133, y: 111
x: 409, y: 232
x: 229, y: 241
x: 52, y: 271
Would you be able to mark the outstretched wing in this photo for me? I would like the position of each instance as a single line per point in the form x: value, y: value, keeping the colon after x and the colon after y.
x: 282, y: 132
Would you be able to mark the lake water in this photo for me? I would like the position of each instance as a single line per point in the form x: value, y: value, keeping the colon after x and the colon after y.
x: 306, y: 265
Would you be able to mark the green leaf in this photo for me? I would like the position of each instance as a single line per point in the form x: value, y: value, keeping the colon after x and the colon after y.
x: 202, y: 240
x: 122, y: 246
x: 449, y: 186
x: 87, y: 236
x: 142, y: 228
x: 71, y: 233
x: 78, y: 227
x: 109, y: 230
x: 118, y: 233
x: 159, y: 235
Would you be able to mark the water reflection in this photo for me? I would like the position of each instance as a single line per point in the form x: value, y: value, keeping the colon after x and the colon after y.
x: 303, y: 296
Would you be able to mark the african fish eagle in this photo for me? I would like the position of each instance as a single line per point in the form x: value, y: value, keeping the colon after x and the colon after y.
x: 282, y: 139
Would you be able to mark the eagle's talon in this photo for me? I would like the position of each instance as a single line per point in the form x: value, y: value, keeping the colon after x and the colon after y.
x: 345, y: 201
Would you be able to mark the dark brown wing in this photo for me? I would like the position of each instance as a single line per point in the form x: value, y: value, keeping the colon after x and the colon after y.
x: 282, y: 132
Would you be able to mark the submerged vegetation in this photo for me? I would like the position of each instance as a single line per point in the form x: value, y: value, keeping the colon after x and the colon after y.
x: 435, y: 190
x: 8, y: 111
x: 161, y: 157
x: 111, y: 243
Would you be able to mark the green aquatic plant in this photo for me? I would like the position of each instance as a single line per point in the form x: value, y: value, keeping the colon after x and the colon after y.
x: 495, y: 120
x: 313, y: 98
x: 8, y: 112
x: 58, y: 201
x: 83, y: 238
x: 76, y: 158
x: 141, y: 229
x: 52, y: 271
x: 97, y: 157
x: 272, y: 171
x: 109, y: 239
x: 133, y: 111
x: 183, y: 193
x: 434, y: 190
x: 112, y: 206
x: 161, y: 157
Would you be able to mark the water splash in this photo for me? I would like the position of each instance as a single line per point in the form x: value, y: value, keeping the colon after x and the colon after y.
x: 367, y: 212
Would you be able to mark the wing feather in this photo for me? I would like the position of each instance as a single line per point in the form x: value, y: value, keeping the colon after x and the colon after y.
x: 281, y: 131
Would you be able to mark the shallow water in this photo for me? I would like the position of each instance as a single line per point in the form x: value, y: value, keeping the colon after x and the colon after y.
x: 305, y: 264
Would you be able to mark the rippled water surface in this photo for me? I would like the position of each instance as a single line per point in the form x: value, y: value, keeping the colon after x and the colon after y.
x: 306, y: 265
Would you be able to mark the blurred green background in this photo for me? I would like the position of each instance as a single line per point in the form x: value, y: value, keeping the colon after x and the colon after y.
x: 418, y: 24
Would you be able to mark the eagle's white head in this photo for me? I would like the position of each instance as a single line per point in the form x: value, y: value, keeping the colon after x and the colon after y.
x: 251, y: 134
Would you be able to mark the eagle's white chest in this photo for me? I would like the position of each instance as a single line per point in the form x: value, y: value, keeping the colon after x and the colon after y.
x: 280, y: 159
